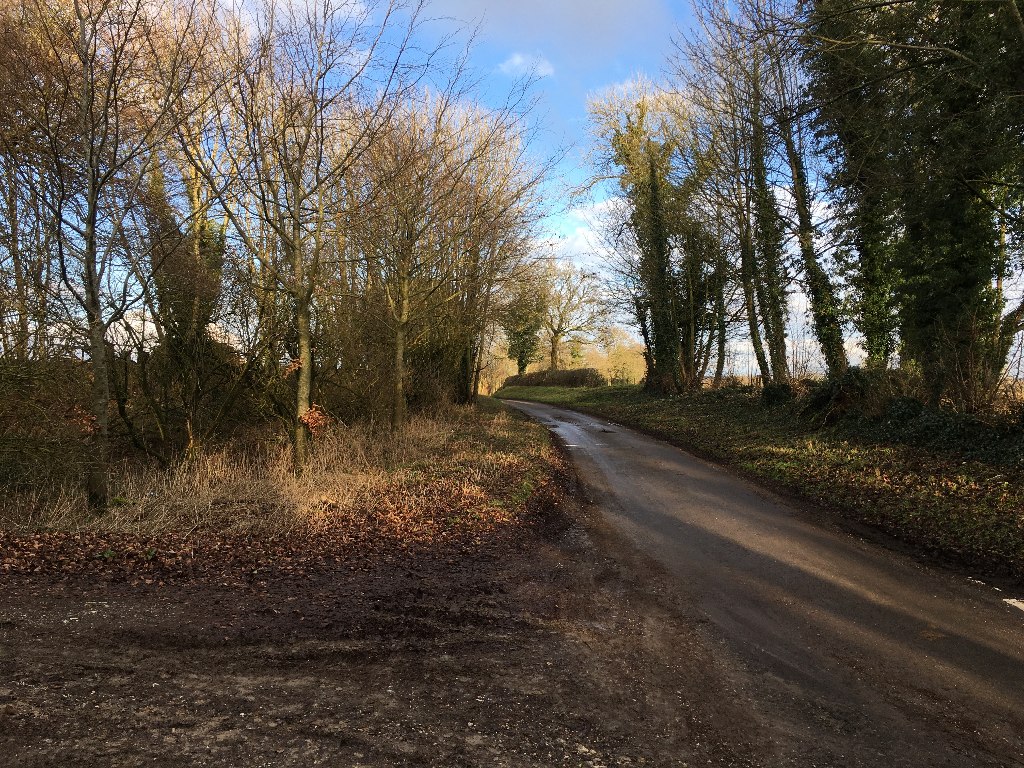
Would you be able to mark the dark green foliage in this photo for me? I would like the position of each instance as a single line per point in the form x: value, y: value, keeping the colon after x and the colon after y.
x: 645, y: 162
x: 177, y: 394
x: 776, y: 393
x: 524, y: 345
x: 522, y: 321
x: 439, y: 372
x: 889, y: 406
x: 902, y: 410
x: 920, y: 104
x: 700, y: 284
x: 570, y: 377
x: 862, y: 393
x: 680, y: 274
x: 994, y: 441
x: 44, y: 410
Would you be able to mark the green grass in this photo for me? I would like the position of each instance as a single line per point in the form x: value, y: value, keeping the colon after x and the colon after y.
x: 946, y: 503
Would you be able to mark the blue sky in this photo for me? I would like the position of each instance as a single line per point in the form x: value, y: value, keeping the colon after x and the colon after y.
x: 579, y: 48
x: 576, y: 48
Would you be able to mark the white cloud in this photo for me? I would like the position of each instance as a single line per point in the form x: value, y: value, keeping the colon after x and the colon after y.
x: 576, y: 235
x: 522, y: 64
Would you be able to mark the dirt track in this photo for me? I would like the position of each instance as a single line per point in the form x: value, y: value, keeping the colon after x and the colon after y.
x: 558, y: 653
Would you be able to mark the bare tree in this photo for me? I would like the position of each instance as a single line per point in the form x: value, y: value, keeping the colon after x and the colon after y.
x: 575, y: 309
x: 116, y: 70
x: 314, y: 85
x: 723, y: 79
x: 448, y: 207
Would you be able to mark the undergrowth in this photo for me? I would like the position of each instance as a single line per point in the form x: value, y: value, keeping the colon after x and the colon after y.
x: 463, y: 467
x: 949, y: 484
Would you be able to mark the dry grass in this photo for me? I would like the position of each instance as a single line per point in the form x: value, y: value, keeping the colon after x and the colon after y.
x: 443, y: 467
x: 1012, y: 394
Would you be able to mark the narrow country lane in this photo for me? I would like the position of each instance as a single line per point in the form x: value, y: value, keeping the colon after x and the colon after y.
x: 850, y: 654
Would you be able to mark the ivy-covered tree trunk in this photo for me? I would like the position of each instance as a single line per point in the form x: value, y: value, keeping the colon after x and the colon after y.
x: 824, y: 305
x: 645, y: 163
x: 770, y: 283
x: 640, y: 312
x: 522, y: 321
x: 656, y: 271
x: 187, y: 270
x: 748, y: 270
x: 923, y: 113
x: 692, y: 316
x: 951, y: 312
x: 720, y: 318
x: 875, y: 280
x: 466, y: 376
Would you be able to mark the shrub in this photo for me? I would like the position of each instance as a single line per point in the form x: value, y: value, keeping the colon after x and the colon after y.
x: 777, y: 394
x: 572, y: 377
x: 44, y: 423
x: 456, y: 463
x: 886, y: 406
x: 864, y: 393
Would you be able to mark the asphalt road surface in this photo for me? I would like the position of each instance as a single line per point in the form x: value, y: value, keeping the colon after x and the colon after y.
x: 850, y: 654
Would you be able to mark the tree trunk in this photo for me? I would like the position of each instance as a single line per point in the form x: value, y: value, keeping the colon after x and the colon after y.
x: 645, y: 332
x: 720, y: 362
x: 747, y: 270
x: 720, y: 320
x: 705, y: 358
x: 478, y: 366
x: 874, y: 282
x: 824, y: 307
x: 467, y: 366
x: 667, y: 352
x: 478, y: 348
x: 302, y: 296
x: 774, y: 331
x: 97, y: 485
x: 96, y: 482
x: 21, y: 340
x: 304, y: 384
x: 398, y: 404
x: 689, y: 353
x: 768, y: 277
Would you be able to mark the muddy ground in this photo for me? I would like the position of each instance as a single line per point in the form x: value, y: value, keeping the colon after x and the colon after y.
x: 562, y: 650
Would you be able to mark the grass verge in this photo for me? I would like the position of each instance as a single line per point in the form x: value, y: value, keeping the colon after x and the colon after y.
x: 946, y: 504
x: 462, y: 479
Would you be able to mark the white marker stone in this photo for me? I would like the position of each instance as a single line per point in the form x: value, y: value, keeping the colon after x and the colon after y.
x: 1015, y: 603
